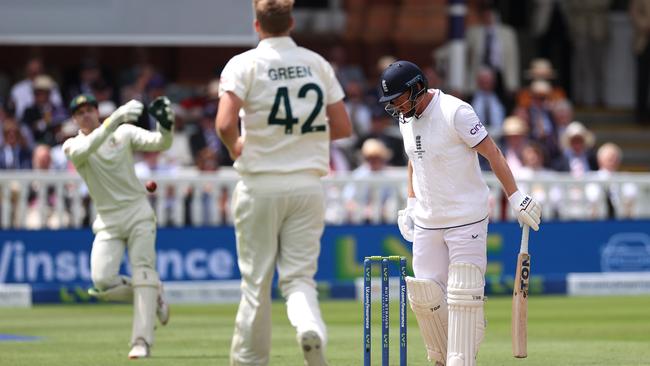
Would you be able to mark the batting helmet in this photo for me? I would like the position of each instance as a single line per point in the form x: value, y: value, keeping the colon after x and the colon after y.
x: 399, y: 77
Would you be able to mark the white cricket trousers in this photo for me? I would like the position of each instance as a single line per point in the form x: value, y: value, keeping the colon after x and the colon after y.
x: 279, y: 220
x: 106, y: 255
x: 435, y: 250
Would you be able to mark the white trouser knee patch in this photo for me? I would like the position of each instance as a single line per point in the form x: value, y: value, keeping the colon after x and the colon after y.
x: 466, y: 323
x: 427, y: 301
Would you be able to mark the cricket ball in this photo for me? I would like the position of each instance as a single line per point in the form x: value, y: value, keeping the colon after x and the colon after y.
x: 151, y: 186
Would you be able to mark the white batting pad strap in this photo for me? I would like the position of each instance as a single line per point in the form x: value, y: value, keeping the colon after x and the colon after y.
x: 466, y: 323
x: 427, y: 301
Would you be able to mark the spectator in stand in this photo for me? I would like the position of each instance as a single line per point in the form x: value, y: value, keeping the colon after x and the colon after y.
x: 562, y: 112
x: 589, y: 28
x: 139, y: 76
x: 534, y: 168
x: 206, y: 136
x: 213, y: 202
x: 372, y: 94
x: 345, y: 72
x: 14, y: 152
x: 611, y: 200
x: 59, y: 160
x: 540, y: 69
x: 43, y: 118
x: 22, y: 93
x: 360, y: 116
x: 577, y: 157
x: 366, y: 203
x: 154, y: 88
x: 486, y: 103
x: 540, y: 119
x: 640, y: 14
x: 41, y: 206
x: 179, y: 153
x: 550, y: 30
x: 494, y: 45
x: 89, y: 74
x: 515, y: 137
x: 383, y: 129
x: 102, y: 91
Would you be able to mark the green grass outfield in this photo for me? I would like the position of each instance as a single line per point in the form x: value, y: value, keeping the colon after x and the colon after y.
x: 562, y: 331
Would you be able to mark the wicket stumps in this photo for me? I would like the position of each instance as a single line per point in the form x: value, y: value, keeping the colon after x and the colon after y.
x: 385, y: 307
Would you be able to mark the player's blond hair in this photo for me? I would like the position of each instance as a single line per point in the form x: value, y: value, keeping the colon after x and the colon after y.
x: 274, y: 15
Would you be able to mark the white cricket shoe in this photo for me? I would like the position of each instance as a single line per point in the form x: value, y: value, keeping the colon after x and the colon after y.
x: 312, y: 349
x: 140, y: 349
x: 162, y: 308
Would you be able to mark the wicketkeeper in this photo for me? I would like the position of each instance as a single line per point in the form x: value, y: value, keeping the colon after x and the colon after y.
x: 103, y: 156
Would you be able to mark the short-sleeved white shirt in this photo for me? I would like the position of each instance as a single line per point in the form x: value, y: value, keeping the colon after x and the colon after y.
x: 285, y: 90
x: 447, y: 179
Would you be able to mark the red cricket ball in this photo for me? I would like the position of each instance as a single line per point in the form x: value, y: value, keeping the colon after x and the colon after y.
x: 151, y: 186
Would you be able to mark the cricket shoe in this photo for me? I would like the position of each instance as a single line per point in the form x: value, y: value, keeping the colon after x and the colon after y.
x: 162, y: 308
x: 312, y: 348
x: 140, y: 349
x: 94, y: 292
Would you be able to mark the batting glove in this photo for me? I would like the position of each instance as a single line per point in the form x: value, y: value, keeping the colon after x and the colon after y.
x: 528, y: 211
x: 405, y: 219
x: 161, y: 110
x: 129, y: 112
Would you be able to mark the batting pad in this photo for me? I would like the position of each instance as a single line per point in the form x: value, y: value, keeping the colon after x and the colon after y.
x: 428, y: 303
x: 145, y: 293
x: 466, y: 323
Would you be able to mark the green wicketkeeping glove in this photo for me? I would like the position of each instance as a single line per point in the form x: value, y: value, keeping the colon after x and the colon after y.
x: 161, y: 110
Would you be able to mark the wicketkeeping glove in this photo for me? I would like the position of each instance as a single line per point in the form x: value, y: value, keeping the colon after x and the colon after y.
x: 528, y: 211
x: 405, y: 219
x: 129, y: 112
x: 161, y: 110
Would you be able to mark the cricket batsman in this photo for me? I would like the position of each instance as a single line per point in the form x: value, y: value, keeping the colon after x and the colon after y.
x: 103, y: 156
x: 446, y: 217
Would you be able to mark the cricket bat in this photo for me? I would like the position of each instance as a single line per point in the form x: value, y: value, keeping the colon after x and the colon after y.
x: 520, y: 299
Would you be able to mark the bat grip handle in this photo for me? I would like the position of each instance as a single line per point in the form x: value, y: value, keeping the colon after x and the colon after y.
x: 524, y: 239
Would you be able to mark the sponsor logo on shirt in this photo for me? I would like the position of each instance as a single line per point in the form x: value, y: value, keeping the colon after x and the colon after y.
x: 477, y: 127
x: 418, y: 146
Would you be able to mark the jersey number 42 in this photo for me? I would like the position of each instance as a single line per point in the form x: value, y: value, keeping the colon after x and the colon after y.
x: 282, y: 97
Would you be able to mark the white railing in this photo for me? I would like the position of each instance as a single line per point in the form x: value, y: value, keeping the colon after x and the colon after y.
x: 35, y: 200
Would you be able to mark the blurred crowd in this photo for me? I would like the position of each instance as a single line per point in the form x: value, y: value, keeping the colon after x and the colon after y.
x: 528, y: 112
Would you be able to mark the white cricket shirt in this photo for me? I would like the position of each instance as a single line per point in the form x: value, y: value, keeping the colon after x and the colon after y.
x: 105, y: 162
x: 447, y: 179
x: 285, y: 90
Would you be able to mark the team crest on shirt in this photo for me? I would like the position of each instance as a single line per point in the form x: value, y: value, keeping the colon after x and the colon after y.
x: 418, y: 147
